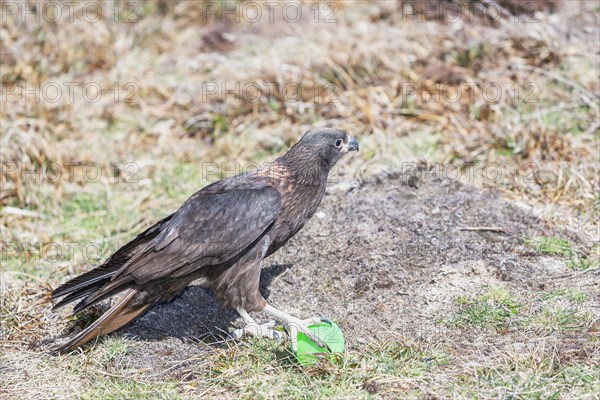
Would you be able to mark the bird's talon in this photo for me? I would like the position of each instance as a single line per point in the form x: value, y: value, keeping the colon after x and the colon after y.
x: 304, y: 329
x: 257, y: 331
x: 293, y: 325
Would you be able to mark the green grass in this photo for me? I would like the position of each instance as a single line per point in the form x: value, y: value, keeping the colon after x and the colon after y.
x: 180, y: 180
x: 260, y: 369
x: 550, y: 245
x: 559, y: 310
x: 572, y: 294
x: 84, y: 228
x: 85, y: 202
x: 114, y: 348
x: 561, y: 121
x: 561, y: 247
x: 550, y: 318
x: 265, y: 370
x: 494, y: 308
x: 530, y: 376
x: 580, y: 263
x: 406, y: 359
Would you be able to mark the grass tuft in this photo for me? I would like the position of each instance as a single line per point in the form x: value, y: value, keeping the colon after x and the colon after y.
x: 494, y: 308
x: 550, y: 245
x: 561, y: 247
x: 572, y: 294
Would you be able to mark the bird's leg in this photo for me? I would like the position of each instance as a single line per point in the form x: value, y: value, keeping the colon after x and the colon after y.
x: 252, y: 328
x: 294, y: 324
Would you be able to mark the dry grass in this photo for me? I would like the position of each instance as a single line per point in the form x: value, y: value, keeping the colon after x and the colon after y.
x: 383, y: 79
x: 383, y: 75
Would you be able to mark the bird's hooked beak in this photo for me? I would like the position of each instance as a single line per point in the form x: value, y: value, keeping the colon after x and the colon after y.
x: 352, y: 145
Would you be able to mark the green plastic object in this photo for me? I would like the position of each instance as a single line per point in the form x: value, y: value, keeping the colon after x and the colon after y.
x: 309, y: 352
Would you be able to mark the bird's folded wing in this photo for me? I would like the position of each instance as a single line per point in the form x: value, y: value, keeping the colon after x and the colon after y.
x: 210, y: 228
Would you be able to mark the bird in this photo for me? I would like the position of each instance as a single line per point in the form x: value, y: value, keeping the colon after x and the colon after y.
x: 221, y: 233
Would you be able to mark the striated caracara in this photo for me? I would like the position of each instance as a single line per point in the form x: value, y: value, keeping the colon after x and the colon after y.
x: 221, y: 233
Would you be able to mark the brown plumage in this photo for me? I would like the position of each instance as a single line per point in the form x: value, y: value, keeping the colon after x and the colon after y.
x: 222, y: 232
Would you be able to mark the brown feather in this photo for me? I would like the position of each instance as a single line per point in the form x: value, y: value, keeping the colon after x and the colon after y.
x: 120, y: 314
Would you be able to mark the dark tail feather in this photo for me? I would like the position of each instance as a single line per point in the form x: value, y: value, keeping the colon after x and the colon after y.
x: 120, y: 314
x: 97, y: 295
x: 75, y: 296
x: 90, y: 282
x: 86, y: 284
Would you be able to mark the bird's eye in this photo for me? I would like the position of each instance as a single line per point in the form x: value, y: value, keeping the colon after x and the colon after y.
x: 338, y: 143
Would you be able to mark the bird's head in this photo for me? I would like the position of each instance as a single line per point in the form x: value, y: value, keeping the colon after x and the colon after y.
x: 322, y: 147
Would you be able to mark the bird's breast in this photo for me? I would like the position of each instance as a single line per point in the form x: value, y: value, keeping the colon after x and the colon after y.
x: 298, y: 205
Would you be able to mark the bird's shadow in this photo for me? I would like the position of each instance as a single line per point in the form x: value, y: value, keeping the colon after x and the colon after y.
x: 195, y: 315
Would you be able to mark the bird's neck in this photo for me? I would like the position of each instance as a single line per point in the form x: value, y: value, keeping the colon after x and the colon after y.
x: 308, y: 169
